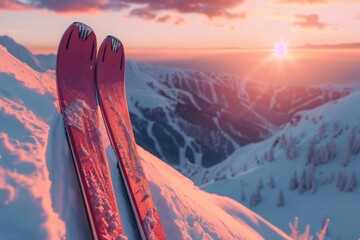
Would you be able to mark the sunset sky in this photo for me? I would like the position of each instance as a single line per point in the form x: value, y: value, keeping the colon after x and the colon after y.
x: 178, y: 24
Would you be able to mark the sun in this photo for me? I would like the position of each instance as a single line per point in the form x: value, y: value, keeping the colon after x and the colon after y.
x: 280, y: 49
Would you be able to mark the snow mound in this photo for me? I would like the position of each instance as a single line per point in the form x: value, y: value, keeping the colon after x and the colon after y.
x: 187, y: 212
x: 39, y: 194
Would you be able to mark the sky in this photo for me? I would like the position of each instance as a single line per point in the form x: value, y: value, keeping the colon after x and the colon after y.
x: 145, y: 25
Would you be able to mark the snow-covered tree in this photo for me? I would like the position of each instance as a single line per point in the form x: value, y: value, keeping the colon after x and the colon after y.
x: 354, y: 143
x: 255, y: 198
x: 311, y: 151
x: 289, y: 145
x: 331, y: 148
x: 302, y: 183
x: 269, y: 155
x: 281, y: 199
x: 293, y: 183
x: 295, y: 233
x: 346, y: 158
x: 352, y: 182
x: 291, y: 151
x: 322, y: 234
x: 307, y: 180
x: 294, y: 229
x: 341, y: 181
x: 271, y: 182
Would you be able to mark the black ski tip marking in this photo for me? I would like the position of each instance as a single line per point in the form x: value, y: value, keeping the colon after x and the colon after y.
x: 84, y: 30
x: 103, y: 56
x: 122, y: 61
x: 92, y: 51
x: 115, y: 43
x: 68, y: 41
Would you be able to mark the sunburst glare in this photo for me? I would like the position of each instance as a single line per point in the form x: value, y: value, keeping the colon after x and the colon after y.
x: 280, y: 50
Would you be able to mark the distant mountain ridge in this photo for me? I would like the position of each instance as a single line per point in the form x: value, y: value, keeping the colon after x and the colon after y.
x: 207, y: 116
x: 339, y: 45
x: 40, y: 63
x: 200, y: 117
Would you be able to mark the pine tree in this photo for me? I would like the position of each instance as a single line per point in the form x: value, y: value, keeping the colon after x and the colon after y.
x: 342, y: 181
x: 311, y: 151
x: 331, y: 147
x: 346, y: 159
x: 351, y: 184
x: 281, y: 200
x: 293, y: 184
x: 255, y: 199
x: 271, y: 181
x: 291, y: 151
x: 302, y: 183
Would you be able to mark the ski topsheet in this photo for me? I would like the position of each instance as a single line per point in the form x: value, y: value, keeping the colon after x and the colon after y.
x: 75, y: 73
x: 110, y: 69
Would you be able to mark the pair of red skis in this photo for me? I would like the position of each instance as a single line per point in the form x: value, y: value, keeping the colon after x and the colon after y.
x: 82, y: 74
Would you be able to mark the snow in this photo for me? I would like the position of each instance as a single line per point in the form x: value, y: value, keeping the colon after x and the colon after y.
x: 75, y: 112
x: 40, y: 197
x: 332, y: 125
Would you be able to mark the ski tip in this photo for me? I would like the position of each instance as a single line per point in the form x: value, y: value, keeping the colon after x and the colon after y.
x: 84, y: 30
x: 115, y: 43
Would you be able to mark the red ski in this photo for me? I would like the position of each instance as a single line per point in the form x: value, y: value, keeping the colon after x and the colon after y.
x: 110, y: 69
x: 75, y: 74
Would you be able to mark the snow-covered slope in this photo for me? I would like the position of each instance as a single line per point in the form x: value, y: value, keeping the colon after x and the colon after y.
x: 201, y: 118
x: 39, y: 194
x: 39, y: 62
x: 323, y: 147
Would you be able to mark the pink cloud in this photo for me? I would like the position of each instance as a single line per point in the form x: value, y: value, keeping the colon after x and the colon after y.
x: 144, y: 13
x: 309, y: 23
x: 12, y: 5
x: 302, y: 2
x: 170, y: 19
x: 147, y: 8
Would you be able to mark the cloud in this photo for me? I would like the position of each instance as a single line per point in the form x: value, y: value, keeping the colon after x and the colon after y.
x: 310, y: 23
x: 12, y: 5
x: 170, y: 19
x: 144, y: 13
x: 302, y: 2
x: 143, y: 8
